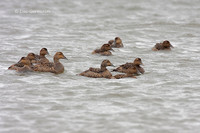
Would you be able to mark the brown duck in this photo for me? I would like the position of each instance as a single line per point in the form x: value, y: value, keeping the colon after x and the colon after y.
x: 166, y: 45
x: 117, y: 43
x: 41, y: 58
x: 104, y: 50
x: 54, y: 67
x: 136, y: 63
x: 102, y: 72
x: 130, y: 72
x: 24, y: 65
x: 30, y: 56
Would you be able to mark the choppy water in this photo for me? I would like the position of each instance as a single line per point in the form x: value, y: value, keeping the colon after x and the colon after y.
x: 165, y: 99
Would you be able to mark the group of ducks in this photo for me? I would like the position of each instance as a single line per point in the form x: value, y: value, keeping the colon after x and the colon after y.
x: 33, y: 62
x: 40, y: 63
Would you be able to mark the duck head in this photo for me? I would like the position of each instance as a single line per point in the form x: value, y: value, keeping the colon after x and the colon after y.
x: 31, y: 56
x: 59, y: 55
x: 138, y: 61
x: 118, y: 40
x: 111, y: 42
x: 106, y: 63
x: 25, y: 61
x: 167, y: 44
x: 44, y: 52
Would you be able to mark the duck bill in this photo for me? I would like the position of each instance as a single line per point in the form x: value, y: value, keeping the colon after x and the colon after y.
x: 142, y: 64
x: 65, y: 58
x: 112, y: 65
x: 171, y: 46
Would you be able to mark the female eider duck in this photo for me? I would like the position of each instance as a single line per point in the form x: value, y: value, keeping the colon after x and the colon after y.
x: 104, y: 50
x: 41, y: 58
x: 23, y: 65
x: 117, y: 43
x: 55, y: 67
x: 27, y: 65
x: 166, y: 45
x: 102, y: 72
x: 30, y: 56
x: 136, y: 63
x: 130, y: 72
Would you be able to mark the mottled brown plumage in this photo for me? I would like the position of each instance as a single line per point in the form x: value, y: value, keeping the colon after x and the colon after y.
x: 41, y: 58
x: 166, y: 45
x: 30, y: 56
x: 54, y: 67
x: 104, y: 50
x: 137, y: 62
x: 130, y: 72
x: 117, y: 43
x: 98, y: 72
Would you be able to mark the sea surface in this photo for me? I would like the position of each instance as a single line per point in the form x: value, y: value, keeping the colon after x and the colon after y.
x: 166, y: 99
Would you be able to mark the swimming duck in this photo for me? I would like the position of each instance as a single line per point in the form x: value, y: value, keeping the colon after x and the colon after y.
x: 41, y: 58
x: 30, y: 56
x: 55, y: 67
x: 104, y: 50
x: 117, y: 43
x: 27, y: 65
x: 23, y: 65
x: 166, y: 45
x: 129, y: 73
x: 136, y: 63
x: 98, y: 72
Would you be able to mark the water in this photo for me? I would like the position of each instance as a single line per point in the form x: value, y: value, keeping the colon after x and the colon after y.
x: 165, y: 99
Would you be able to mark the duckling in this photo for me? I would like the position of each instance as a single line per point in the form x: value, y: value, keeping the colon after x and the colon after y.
x: 129, y: 73
x: 55, y: 67
x: 166, y: 45
x: 136, y: 63
x: 98, y: 72
x: 41, y: 58
x: 104, y: 50
x: 117, y: 43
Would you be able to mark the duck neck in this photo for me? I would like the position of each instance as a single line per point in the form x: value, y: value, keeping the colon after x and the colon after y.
x: 42, y: 55
x: 56, y: 60
x: 103, y: 68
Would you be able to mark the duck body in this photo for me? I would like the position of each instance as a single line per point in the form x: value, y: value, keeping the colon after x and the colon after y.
x: 104, y: 50
x: 24, y: 65
x: 98, y: 72
x: 41, y: 59
x: 166, y: 45
x: 130, y: 72
x: 125, y: 67
x: 117, y: 43
x: 54, y: 67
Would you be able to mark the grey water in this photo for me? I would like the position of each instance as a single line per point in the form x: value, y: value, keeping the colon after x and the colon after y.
x: 166, y: 99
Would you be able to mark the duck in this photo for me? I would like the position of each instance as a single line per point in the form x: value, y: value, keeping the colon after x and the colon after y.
x: 102, y: 72
x: 53, y: 67
x: 30, y: 56
x: 104, y: 50
x: 130, y: 72
x: 23, y: 65
x: 165, y: 45
x: 117, y: 43
x: 41, y: 59
x: 136, y: 63
x: 27, y: 65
